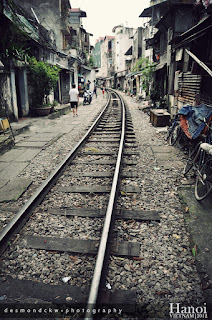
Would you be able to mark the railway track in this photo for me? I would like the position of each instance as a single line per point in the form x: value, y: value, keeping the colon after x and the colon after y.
x: 88, y: 244
x: 86, y: 185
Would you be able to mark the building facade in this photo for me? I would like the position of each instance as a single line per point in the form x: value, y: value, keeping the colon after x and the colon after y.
x: 123, y: 41
x: 179, y: 76
x: 52, y: 32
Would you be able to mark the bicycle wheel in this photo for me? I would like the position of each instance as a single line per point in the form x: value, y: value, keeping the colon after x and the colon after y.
x: 203, y: 185
x: 170, y: 129
x: 193, y: 158
x: 182, y: 140
x: 174, y: 135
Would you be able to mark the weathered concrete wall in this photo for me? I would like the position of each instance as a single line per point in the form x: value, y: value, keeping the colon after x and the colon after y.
x: 49, y: 14
x: 24, y: 101
x: 65, y: 86
x: 14, y: 95
x: 123, y: 42
x: 6, y: 95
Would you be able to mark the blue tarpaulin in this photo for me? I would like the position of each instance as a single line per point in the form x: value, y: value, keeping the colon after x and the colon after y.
x: 195, y: 116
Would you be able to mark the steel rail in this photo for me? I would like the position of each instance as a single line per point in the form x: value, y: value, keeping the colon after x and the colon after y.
x: 95, y: 284
x: 24, y: 213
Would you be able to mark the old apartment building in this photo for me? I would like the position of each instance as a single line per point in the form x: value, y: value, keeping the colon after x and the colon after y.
x: 176, y: 36
x: 50, y: 32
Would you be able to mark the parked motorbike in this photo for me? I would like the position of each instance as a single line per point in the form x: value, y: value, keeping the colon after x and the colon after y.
x: 87, y: 97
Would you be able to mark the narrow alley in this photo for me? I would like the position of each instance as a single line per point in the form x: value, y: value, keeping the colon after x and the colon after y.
x: 106, y: 159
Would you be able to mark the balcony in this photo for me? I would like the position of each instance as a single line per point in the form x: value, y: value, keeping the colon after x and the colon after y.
x: 109, y: 54
x: 161, y: 6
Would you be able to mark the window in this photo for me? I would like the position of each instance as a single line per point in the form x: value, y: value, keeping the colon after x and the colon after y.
x: 163, y: 43
x: 64, y: 41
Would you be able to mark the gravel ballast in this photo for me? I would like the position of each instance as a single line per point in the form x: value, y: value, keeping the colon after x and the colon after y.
x: 164, y: 273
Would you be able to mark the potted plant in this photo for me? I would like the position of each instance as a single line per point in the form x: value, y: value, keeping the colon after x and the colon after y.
x: 43, y: 80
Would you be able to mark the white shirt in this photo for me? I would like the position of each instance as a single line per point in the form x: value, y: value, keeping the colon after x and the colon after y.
x: 73, y: 94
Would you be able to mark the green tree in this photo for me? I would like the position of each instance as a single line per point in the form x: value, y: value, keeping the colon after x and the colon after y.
x: 43, y: 78
x: 13, y: 44
x: 147, y: 69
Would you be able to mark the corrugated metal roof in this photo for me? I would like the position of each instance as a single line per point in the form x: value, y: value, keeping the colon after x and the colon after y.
x: 198, y: 30
x: 24, y: 24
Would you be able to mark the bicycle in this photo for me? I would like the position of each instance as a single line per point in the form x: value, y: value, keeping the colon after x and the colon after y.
x: 171, y: 132
x: 203, y: 185
x: 197, y: 155
x: 175, y: 134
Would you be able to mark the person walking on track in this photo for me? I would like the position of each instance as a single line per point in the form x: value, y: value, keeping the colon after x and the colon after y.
x: 95, y: 88
x: 74, y: 99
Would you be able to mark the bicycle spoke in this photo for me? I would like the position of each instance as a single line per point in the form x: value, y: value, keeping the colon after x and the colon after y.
x: 173, y: 136
x: 192, y: 160
x: 188, y: 166
x: 203, y: 184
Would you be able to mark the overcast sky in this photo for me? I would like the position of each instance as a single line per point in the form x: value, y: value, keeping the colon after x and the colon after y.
x: 102, y: 15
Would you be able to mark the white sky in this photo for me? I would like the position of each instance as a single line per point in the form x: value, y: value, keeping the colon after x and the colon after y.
x: 103, y: 15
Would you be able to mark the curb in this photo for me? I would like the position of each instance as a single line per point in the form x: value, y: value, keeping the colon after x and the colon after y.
x: 59, y: 112
x: 8, y: 143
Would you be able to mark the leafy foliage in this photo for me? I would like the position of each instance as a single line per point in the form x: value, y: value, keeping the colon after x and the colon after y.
x: 91, y: 61
x: 147, y: 69
x: 13, y: 43
x: 43, y: 77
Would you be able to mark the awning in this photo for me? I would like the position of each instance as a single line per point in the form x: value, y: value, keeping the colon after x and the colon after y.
x: 86, y: 68
x: 23, y: 23
x: 160, y: 66
x: 193, y: 33
x: 61, y: 54
x: 147, y: 13
x: 138, y: 74
x: 151, y: 41
x: 121, y: 73
x: 63, y: 67
x: 133, y: 74
x: 208, y: 70
x: 81, y: 13
x: 129, y: 52
x: 129, y: 75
